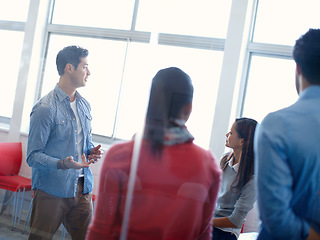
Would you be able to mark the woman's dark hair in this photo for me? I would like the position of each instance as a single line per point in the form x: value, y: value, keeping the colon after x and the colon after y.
x: 171, y: 90
x: 306, y: 53
x: 72, y: 55
x: 245, y: 128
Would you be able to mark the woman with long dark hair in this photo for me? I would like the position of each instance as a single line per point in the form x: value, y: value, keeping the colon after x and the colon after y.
x: 237, y: 191
x: 176, y: 181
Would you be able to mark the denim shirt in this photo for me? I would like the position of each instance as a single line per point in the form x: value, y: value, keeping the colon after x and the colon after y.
x: 287, y: 155
x: 52, y: 137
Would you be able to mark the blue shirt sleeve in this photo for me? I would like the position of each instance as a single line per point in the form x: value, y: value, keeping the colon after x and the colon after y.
x: 275, y: 181
x: 39, y: 131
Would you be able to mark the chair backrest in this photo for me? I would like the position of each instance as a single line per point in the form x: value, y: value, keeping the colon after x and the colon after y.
x: 10, y: 158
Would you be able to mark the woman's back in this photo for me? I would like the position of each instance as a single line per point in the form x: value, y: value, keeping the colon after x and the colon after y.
x: 174, y: 194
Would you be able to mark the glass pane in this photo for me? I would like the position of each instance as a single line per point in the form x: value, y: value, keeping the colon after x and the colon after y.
x: 94, y: 13
x: 207, y: 18
x: 105, y: 61
x: 144, y: 60
x: 10, y: 12
x: 10, y: 52
x: 282, y: 22
x: 271, y: 86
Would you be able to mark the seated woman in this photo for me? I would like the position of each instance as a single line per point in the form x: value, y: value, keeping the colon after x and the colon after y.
x: 237, y: 191
x: 176, y: 182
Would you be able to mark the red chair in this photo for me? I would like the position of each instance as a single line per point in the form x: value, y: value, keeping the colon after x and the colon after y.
x: 10, y: 158
x: 10, y: 180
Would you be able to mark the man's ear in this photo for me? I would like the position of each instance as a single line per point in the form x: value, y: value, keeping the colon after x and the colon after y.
x: 68, y: 68
x: 298, y: 69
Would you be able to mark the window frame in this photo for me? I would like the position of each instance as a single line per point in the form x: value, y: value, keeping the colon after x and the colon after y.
x: 39, y: 20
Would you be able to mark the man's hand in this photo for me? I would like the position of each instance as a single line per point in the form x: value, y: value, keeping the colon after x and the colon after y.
x: 68, y: 162
x: 313, y: 235
x: 95, y: 153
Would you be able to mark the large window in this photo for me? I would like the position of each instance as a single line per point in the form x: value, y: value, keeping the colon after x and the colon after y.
x: 282, y: 22
x: 203, y: 66
x: 271, y: 86
x: 129, y: 41
x: 118, y: 87
x: 11, y: 34
x: 106, y: 59
x: 270, y: 81
x: 14, y: 10
x: 94, y: 13
x: 207, y: 18
x: 10, y: 52
x: 125, y: 52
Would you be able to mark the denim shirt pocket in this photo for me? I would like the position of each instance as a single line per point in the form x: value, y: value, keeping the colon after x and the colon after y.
x: 62, y: 127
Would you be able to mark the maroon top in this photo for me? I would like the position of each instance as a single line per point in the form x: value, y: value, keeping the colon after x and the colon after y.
x: 174, y: 194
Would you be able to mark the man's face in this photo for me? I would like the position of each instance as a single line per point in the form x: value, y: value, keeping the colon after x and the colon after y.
x: 80, y: 75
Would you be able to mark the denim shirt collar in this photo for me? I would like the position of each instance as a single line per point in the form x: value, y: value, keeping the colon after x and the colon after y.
x: 62, y: 95
x: 310, y: 92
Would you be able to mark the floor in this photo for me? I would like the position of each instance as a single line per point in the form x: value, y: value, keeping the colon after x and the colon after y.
x: 6, y: 231
x: 19, y: 232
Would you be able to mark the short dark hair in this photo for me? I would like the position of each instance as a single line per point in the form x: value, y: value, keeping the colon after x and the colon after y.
x: 72, y: 55
x: 306, y: 54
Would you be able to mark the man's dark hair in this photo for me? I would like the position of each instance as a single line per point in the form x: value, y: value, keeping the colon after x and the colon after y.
x: 306, y: 54
x: 72, y: 55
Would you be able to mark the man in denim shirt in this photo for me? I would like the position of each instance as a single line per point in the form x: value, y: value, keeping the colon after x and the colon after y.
x: 288, y: 155
x: 59, y: 145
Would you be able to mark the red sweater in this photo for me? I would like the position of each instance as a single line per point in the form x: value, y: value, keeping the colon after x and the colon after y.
x: 174, y: 194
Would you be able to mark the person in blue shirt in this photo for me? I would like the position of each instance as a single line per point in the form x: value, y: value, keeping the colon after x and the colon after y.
x: 287, y: 152
x: 59, y: 144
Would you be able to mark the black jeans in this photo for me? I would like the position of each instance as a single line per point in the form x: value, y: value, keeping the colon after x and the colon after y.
x: 218, y: 234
